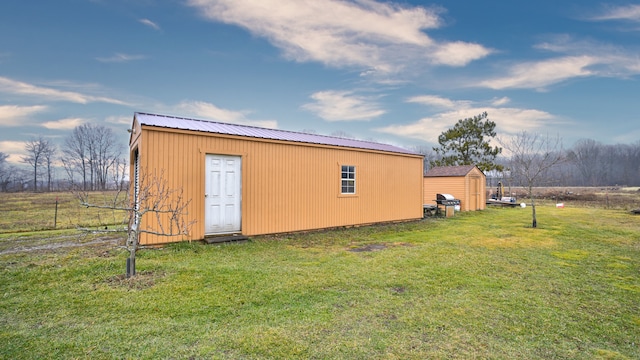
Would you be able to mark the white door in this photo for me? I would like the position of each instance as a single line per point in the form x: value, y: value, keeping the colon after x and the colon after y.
x: 222, y: 194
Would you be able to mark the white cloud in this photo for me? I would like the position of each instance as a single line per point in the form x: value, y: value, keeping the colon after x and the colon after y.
x: 427, y: 129
x: 12, y: 146
x: 628, y: 137
x: 119, y: 120
x: 508, y: 120
x: 15, y: 150
x: 64, y: 124
x: 501, y: 101
x: 343, y: 106
x: 628, y: 12
x: 149, y: 23
x: 439, y: 102
x: 458, y: 53
x: 200, y: 109
x: 578, y: 58
x: 120, y: 58
x: 387, y: 37
x: 49, y: 94
x: 13, y: 115
x: 607, y: 59
x: 538, y: 75
x: 514, y: 120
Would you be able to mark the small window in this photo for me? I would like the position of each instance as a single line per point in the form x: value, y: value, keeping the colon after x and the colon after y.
x: 348, y: 179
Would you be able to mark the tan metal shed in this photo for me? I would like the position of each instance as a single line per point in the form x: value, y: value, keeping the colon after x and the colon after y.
x: 251, y: 181
x: 465, y: 182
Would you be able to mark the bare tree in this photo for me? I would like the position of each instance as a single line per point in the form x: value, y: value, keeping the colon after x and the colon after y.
x: 38, y: 151
x: 621, y: 164
x: 91, y: 151
x: 531, y: 157
x: 153, y: 209
x: 11, y: 177
x: 75, y: 156
x: 430, y: 156
x: 586, y: 155
x: 599, y: 164
x: 105, y: 152
x: 5, y: 172
x: 631, y: 159
x: 119, y: 173
x: 47, y: 159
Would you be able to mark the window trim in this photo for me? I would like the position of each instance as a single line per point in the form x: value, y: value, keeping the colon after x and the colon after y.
x: 344, y: 181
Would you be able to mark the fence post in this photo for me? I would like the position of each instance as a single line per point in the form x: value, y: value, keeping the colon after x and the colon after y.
x: 55, y: 217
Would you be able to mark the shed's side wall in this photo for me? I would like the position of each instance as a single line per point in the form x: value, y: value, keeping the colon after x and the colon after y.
x: 286, y: 186
x: 458, y: 186
x: 454, y: 185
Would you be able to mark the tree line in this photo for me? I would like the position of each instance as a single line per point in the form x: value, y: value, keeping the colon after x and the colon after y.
x: 587, y: 163
x: 90, y: 157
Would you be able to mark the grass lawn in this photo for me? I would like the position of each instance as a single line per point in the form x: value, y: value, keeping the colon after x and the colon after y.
x: 479, y: 285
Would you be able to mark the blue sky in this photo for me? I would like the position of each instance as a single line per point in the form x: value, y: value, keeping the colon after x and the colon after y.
x: 398, y: 72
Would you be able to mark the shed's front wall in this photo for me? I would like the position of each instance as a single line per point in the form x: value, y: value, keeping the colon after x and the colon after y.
x: 476, y: 197
x: 286, y: 186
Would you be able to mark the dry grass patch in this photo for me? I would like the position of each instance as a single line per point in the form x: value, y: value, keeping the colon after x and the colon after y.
x: 624, y: 198
x: 142, y: 280
x: 25, y: 212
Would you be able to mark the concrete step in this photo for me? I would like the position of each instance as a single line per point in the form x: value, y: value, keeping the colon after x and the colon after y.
x: 216, y: 239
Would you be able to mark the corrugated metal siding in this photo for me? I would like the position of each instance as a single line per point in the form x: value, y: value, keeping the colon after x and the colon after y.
x: 443, y: 185
x: 288, y: 186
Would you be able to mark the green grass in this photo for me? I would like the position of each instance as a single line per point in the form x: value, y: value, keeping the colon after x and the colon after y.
x: 481, y: 285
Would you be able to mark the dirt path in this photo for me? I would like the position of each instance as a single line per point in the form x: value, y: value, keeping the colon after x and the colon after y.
x: 57, y: 243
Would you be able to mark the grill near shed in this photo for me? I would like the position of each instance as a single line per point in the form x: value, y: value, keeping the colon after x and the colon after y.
x: 448, y: 202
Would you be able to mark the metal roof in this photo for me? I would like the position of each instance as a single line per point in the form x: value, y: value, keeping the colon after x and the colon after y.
x: 172, y: 122
x: 460, y: 170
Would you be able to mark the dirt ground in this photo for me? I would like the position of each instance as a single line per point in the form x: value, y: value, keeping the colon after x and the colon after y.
x: 56, y: 243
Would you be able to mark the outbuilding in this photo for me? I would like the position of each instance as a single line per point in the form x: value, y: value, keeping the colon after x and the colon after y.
x: 466, y: 183
x: 251, y: 181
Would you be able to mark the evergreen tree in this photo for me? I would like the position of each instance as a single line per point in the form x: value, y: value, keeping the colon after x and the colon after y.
x: 467, y: 143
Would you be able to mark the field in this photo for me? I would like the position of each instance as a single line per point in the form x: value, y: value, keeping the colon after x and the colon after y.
x: 616, y: 197
x: 29, y: 212
x: 479, y: 285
